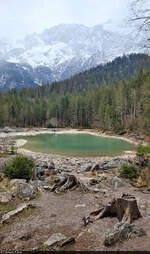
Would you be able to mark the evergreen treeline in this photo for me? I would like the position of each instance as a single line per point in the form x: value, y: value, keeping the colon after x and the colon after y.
x: 122, y: 105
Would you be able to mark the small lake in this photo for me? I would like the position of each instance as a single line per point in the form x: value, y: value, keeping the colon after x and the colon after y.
x: 76, y: 144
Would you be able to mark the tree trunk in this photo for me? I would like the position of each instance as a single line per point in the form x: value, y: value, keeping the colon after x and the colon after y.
x: 124, y: 208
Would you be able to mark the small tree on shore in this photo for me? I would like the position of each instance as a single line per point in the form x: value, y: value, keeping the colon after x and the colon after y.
x: 20, y: 167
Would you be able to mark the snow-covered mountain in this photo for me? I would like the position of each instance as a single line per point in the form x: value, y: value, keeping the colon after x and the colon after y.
x: 60, y: 52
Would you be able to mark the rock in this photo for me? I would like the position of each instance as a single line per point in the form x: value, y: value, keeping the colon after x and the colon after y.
x: 13, y: 213
x: 41, y: 163
x: 55, y: 238
x: 26, y: 191
x: 3, y: 162
x: 47, y: 188
x: 51, y: 165
x: 93, y: 181
x: 137, y: 232
x: 5, y: 197
x: 80, y: 205
x: 94, y: 190
x: 15, y: 182
x: 122, y: 231
x: 116, y: 182
x: 7, y: 129
x: 113, y: 164
x: 48, y: 181
x: 56, y: 171
x: 96, y: 167
x: 37, y: 183
x: 87, y: 168
x: 39, y: 172
x: 102, y: 177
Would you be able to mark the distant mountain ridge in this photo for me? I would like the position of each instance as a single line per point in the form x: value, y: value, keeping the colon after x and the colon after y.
x: 60, y: 52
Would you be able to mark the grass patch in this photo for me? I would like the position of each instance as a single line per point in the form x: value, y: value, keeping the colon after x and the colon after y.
x: 43, y: 247
x: 4, y: 155
x: 7, y: 208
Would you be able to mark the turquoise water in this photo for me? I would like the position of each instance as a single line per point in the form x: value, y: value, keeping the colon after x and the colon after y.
x: 76, y: 144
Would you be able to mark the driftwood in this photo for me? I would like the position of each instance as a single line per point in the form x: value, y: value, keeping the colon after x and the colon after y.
x: 124, y: 208
x: 69, y: 183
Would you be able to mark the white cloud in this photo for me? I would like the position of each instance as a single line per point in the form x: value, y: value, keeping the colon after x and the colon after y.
x: 21, y: 17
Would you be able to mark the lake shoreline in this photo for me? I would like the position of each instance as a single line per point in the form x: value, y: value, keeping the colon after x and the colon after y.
x: 37, y: 131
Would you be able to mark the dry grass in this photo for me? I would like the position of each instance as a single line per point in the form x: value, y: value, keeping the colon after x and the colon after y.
x: 145, y: 177
x: 91, y: 174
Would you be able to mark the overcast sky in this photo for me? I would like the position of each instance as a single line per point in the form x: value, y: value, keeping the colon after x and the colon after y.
x: 22, y: 17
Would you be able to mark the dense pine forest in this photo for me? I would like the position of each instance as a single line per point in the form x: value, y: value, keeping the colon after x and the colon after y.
x: 115, y: 96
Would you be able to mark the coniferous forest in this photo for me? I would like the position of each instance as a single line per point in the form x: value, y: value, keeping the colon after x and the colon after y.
x: 115, y: 96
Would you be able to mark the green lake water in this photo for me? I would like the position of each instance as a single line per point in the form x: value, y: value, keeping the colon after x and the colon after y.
x: 76, y: 144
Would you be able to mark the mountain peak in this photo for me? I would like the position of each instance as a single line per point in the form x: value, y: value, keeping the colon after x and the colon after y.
x: 66, y: 49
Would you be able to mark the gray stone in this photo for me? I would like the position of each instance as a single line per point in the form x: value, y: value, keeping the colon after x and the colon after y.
x: 15, y: 182
x: 39, y: 172
x: 50, y: 165
x: 26, y: 191
x: 116, y: 182
x: 5, y: 197
x: 122, y: 231
x: 7, y: 129
x: 55, y: 238
x: 113, y: 164
x: 48, y: 181
x: 96, y: 167
x: 37, y: 183
x: 87, y: 168
x: 102, y: 177
x: 93, y: 181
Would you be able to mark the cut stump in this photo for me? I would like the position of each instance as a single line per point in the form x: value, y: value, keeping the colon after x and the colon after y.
x: 124, y: 208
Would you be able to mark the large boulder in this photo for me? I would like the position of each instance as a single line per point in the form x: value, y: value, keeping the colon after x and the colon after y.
x: 26, y: 191
x: 16, y: 182
x: 122, y: 231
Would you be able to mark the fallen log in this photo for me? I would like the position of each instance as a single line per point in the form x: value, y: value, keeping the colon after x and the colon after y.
x: 124, y: 208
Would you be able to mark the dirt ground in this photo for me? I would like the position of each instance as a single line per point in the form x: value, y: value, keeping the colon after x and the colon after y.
x: 62, y: 213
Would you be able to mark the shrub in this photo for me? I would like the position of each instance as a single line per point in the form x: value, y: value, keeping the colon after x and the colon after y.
x: 142, y: 150
x: 20, y: 167
x: 129, y: 171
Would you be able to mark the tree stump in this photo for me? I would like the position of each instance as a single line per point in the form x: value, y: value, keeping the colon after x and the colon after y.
x: 127, y: 208
x: 69, y: 183
x: 124, y: 208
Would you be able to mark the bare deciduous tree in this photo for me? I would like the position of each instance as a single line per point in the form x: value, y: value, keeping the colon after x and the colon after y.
x: 140, y: 15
